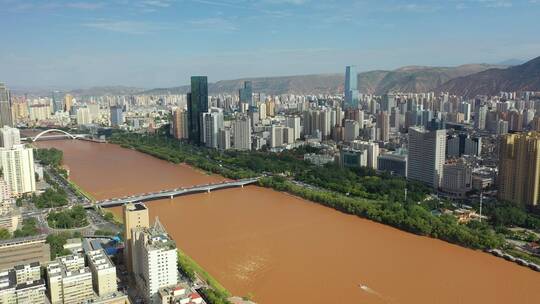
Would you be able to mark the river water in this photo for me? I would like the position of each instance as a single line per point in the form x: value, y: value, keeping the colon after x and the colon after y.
x: 282, y: 249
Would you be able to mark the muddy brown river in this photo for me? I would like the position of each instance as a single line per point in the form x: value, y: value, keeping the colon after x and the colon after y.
x: 283, y: 249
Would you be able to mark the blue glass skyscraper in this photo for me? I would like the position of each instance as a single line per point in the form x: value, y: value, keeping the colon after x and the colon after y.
x: 246, y: 94
x: 351, y: 88
x: 197, y: 102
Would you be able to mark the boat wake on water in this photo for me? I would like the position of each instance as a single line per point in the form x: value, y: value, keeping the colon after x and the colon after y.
x: 369, y: 290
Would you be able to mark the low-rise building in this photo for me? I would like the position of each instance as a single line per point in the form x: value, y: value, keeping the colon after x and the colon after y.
x: 69, y: 281
x: 24, y: 251
x: 22, y: 289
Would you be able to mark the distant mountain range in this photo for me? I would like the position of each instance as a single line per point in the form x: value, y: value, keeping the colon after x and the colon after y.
x: 406, y: 79
x: 524, y: 77
x: 467, y: 80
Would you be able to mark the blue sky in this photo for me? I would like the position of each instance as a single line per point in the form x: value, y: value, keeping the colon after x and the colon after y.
x: 160, y: 43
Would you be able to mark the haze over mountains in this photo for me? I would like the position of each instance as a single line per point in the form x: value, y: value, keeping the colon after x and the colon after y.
x: 467, y: 80
x: 406, y: 79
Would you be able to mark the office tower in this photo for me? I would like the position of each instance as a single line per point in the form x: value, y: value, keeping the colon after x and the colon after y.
x: 68, y: 102
x: 180, y: 126
x: 480, y: 119
x: 83, y: 116
x: 394, y: 162
x: 117, y: 116
x: 294, y: 123
x: 135, y: 216
x: 18, y: 168
x: 26, y: 250
x: 383, y: 126
x: 241, y: 129
x: 372, y: 152
x: 9, y: 137
x: 352, y: 158
x: 457, y: 179
x: 351, y: 130
x: 57, y: 101
x: 351, y: 88
x: 519, y: 168
x: 426, y: 155
x: 6, y: 118
x: 246, y: 95
x: 103, y: 272
x: 224, y: 139
x: 197, y: 102
x: 154, y: 260
x: 69, y: 281
x: 212, y: 122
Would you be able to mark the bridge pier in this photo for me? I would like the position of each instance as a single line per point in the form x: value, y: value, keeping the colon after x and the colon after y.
x: 242, y: 185
x: 172, y: 196
x: 207, y: 190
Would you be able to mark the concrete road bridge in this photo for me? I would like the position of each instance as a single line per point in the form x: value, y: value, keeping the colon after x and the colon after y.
x: 145, y: 197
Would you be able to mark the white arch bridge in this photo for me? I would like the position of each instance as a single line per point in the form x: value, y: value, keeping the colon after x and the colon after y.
x: 43, y: 135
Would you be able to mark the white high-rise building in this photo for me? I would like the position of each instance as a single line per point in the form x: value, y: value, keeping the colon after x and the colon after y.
x: 276, y: 136
x: 9, y: 137
x: 372, y: 151
x: 212, y: 123
x: 294, y: 123
x: 242, y: 133
x: 351, y: 130
x: 18, y: 168
x: 154, y: 260
x: 426, y: 155
x: 83, y: 116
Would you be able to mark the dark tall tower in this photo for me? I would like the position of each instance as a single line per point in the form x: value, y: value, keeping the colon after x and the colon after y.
x: 197, y: 102
x: 246, y: 94
x: 6, y: 118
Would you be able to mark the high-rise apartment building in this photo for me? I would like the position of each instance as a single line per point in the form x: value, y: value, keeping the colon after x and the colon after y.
x: 135, y: 216
x: 117, y: 116
x: 68, y: 102
x: 426, y: 157
x: 6, y: 118
x: 9, y: 137
x: 154, y: 258
x: 180, y: 124
x: 351, y: 88
x: 212, y: 122
x: 17, y: 166
x: 83, y: 116
x: 241, y: 128
x: 372, y: 152
x: 383, y: 126
x: 519, y: 168
x: 197, y: 103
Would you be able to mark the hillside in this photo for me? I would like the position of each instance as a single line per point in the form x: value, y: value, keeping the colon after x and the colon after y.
x: 407, y: 79
x: 524, y: 77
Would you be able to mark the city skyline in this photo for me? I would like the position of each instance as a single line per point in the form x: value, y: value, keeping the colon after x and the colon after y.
x: 160, y: 43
